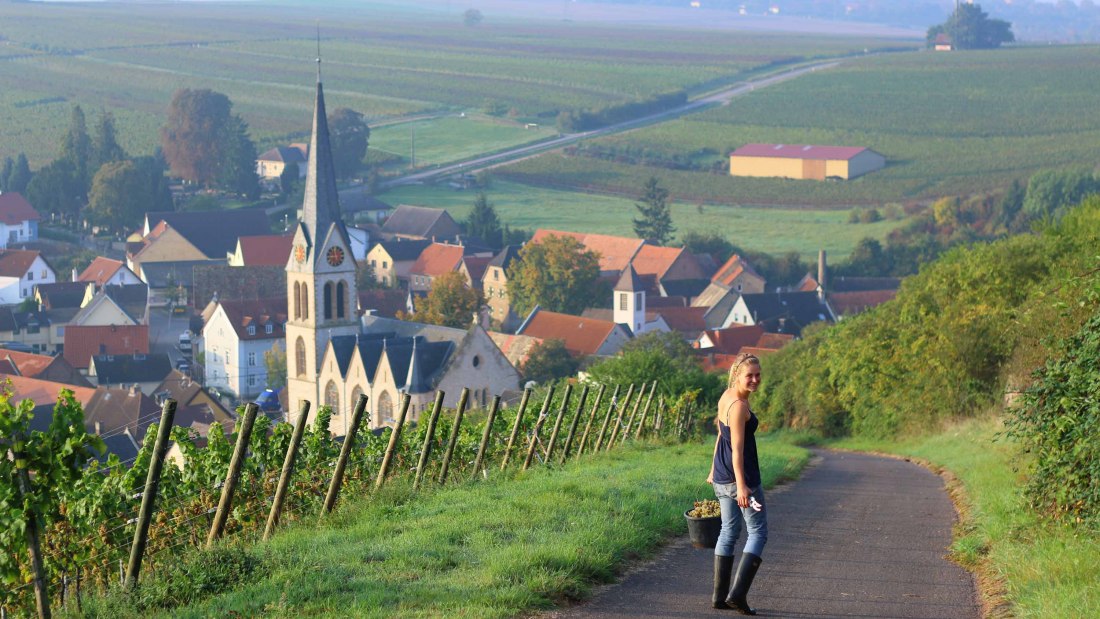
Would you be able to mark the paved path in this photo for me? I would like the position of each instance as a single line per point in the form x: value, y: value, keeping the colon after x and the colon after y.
x: 856, y: 536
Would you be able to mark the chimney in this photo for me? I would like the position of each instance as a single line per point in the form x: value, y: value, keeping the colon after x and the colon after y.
x: 821, y: 269
x: 75, y: 275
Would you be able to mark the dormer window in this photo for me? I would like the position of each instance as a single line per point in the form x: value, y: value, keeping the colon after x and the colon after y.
x: 252, y: 329
x: 269, y: 329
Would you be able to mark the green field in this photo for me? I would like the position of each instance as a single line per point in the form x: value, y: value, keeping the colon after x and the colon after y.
x: 453, y: 137
x: 772, y: 230
x: 384, y: 60
x: 948, y: 124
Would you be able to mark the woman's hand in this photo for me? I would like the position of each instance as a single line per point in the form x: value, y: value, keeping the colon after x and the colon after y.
x: 710, y: 478
x: 743, y: 495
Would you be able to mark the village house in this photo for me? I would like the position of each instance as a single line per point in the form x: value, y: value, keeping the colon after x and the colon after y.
x: 582, y: 336
x: 420, y: 223
x: 52, y: 368
x: 435, y: 260
x: 18, y: 220
x: 494, y: 289
x: 20, y: 271
x: 271, y: 164
x: 781, y: 312
x: 113, y: 305
x: 32, y: 328
x: 615, y: 252
x: 234, y: 340
x: 82, y: 343
x: 145, y: 371
x: 263, y: 250
x: 103, y: 271
x: 391, y: 260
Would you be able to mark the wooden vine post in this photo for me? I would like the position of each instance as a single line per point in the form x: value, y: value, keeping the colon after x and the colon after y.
x: 633, y: 414
x: 31, y: 530
x: 149, y: 497
x: 515, y: 428
x: 557, y: 422
x: 619, y: 418
x: 538, y: 427
x: 607, y: 417
x: 486, y: 435
x: 395, y: 441
x: 426, y: 452
x: 345, y: 452
x: 645, y: 411
x: 288, y: 470
x: 591, y: 419
x: 462, y: 400
x: 225, y: 504
x: 573, y: 425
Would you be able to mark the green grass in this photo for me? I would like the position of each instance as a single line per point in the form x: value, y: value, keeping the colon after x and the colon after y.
x: 490, y: 549
x: 772, y: 230
x: 454, y: 138
x: 1045, y: 570
x: 948, y: 124
x: 382, y: 59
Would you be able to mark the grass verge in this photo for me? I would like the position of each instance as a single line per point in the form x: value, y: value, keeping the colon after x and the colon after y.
x: 1026, y: 567
x: 490, y: 549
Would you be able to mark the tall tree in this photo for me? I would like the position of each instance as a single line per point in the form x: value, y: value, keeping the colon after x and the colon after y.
x: 969, y: 27
x: 655, y: 223
x: 193, y: 137
x: 123, y: 191
x: 484, y: 223
x: 557, y: 274
x: 238, y: 155
x: 548, y: 361
x: 56, y: 189
x: 5, y: 172
x: 105, y: 147
x: 275, y: 362
x: 76, y: 148
x: 450, y: 302
x: 20, y: 175
x: 349, y: 135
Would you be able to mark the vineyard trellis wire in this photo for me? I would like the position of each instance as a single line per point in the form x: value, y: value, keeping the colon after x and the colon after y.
x: 73, y: 520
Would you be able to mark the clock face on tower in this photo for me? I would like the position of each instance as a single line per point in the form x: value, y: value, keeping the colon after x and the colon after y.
x: 300, y: 253
x: 335, y: 256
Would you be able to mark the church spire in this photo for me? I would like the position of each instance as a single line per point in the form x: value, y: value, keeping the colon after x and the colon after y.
x: 321, y: 205
x: 413, y: 380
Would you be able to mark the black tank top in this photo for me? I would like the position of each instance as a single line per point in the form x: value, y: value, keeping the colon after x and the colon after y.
x: 723, y: 456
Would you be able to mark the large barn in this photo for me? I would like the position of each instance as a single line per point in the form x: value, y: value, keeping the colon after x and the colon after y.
x: 804, y: 161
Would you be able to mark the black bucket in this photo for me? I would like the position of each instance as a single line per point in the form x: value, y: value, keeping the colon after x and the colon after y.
x: 703, y: 531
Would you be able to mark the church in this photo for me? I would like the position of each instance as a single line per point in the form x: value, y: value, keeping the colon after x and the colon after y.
x: 333, y: 355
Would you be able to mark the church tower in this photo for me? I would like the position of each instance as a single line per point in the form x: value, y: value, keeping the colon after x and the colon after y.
x: 320, y: 275
x: 629, y: 301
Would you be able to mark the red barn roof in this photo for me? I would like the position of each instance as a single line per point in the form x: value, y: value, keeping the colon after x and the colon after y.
x: 14, y: 209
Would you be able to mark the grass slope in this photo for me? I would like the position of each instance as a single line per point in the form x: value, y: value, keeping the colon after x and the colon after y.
x: 453, y: 138
x: 948, y: 124
x: 489, y: 549
x: 1042, y: 570
x: 773, y: 230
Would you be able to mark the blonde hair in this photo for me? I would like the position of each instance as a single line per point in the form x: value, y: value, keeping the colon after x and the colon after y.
x: 740, y: 360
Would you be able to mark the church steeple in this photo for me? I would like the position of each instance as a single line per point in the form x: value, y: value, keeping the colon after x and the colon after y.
x: 321, y: 204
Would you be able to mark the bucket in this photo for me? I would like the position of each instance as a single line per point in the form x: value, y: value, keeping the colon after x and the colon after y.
x: 703, y: 531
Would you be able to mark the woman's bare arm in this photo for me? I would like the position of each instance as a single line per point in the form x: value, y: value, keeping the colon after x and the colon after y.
x: 738, y: 417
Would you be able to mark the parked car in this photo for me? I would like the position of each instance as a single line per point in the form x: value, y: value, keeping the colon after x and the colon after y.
x: 183, y: 365
x: 185, y: 342
x: 268, y: 401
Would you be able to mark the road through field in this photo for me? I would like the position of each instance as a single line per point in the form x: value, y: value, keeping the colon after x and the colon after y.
x: 722, y: 97
x: 856, y: 536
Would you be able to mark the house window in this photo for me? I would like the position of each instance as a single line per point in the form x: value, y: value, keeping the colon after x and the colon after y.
x: 385, y: 265
x: 496, y: 274
x: 251, y: 380
x: 374, y: 264
x: 269, y: 329
x: 252, y: 359
x: 30, y: 276
x: 43, y: 273
x: 252, y: 329
x: 623, y: 300
x: 638, y: 299
x: 490, y: 291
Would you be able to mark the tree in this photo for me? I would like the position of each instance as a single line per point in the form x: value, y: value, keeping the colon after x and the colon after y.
x: 661, y: 356
x: 557, y: 274
x: 969, y: 27
x: 76, y: 148
x: 655, y: 224
x: 472, y: 17
x: 365, y: 278
x: 289, y: 178
x: 20, y: 175
x: 712, y: 243
x: 450, y: 302
x: 238, y: 160
x: 349, y: 136
x: 105, y: 147
x: 192, y: 138
x: 1049, y: 192
x: 56, y: 189
x: 275, y: 362
x: 867, y: 259
x: 549, y: 361
x: 5, y: 172
x: 123, y: 191
x: 484, y: 223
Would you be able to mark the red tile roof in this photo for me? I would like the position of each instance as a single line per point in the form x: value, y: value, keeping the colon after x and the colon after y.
x: 266, y: 250
x: 615, y: 252
x: 731, y: 340
x: 100, y: 270
x: 258, y: 313
x: 653, y: 260
x: 684, y: 319
x: 733, y: 268
x: 83, y: 342
x: 846, y: 303
x: 437, y: 259
x: 773, y: 341
x: 14, y: 209
x: 16, y: 262
x: 25, y: 363
x: 798, y: 151
x: 582, y: 336
x: 45, y: 391
x: 475, y: 266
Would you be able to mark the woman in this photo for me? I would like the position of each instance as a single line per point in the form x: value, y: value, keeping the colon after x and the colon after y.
x: 735, y: 474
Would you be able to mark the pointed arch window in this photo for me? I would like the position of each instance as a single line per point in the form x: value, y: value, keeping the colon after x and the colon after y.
x: 354, y: 401
x: 305, y: 301
x: 297, y: 301
x: 340, y: 300
x: 332, y: 397
x: 328, y: 300
x: 385, y: 407
x: 300, y: 357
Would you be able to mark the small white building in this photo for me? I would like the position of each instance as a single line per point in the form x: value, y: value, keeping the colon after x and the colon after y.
x: 18, y: 220
x: 235, y: 339
x: 20, y: 271
x: 104, y: 271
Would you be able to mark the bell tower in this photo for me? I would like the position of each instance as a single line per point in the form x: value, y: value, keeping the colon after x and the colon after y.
x: 320, y: 273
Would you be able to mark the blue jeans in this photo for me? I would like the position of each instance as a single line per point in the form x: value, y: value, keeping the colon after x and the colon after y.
x: 756, y: 522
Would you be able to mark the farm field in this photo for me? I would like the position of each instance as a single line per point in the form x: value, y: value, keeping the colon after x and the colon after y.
x: 772, y: 230
x: 379, y: 59
x: 948, y: 124
x: 453, y: 138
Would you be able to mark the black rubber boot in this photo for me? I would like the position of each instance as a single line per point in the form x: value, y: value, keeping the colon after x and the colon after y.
x: 738, y: 597
x: 723, y: 567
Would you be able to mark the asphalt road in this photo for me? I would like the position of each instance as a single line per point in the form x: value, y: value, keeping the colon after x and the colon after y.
x: 856, y: 536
